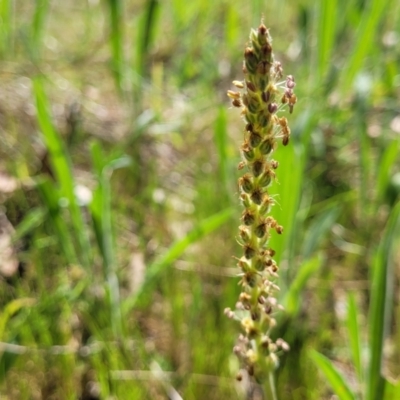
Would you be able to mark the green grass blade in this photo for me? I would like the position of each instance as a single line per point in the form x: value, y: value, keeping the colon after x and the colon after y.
x: 7, y: 360
x: 287, y: 190
x: 307, y: 269
x: 116, y: 40
x: 335, y: 379
x: 354, y: 335
x: 146, y: 34
x: 100, y: 209
x: 363, y: 93
x: 392, y: 390
x: 318, y: 229
x: 60, y: 163
x: 232, y: 23
x: 11, y: 309
x: 381, y: 301
x: 41, y: 10
x: 32, y: 220
x: 326, y: 34
x: 366, y: 36
x: 51, y: 199
x: 5, y: 27
x: 176, y: 250
x: 58, y: 155
x: 389, y: 157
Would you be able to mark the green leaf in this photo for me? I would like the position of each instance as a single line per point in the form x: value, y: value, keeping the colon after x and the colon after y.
x: 6, y: 17
x: 389, y: 157
x: 318, y: 229
x: 326, y: 34
x: 7, y: 360
x: 146, y: 34
x: 366, y: 36
x: 10, y: 309
x: 335, y: 379
x: 51, y: 199
x: 100, y: 209
x: 116, y: 40
x: 39, y: 17
x: 392, y: 390
x: 32, y: 220
x: 61, y: 167
x: 381, y: 301
x: 292, y: 300
x: 354, y: 335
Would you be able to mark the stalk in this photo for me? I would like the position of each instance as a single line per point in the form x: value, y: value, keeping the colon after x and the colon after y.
x: 263, y: 96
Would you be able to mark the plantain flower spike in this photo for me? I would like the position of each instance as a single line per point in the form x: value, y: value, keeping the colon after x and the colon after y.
x: 262, y: 96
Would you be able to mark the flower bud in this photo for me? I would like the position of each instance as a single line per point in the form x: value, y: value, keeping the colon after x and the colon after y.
x: 272, y: 108
x: 251, y: 61
x: 260, y: 230
x: 238, y: 84
x: 266, y: 146
x: 257, y: 167
x: 246, y: 183
x: 254, y: 139
x: 248, y: 217
x: 233, y: 95
x: 236, y: 103
x: 249, y: 252
x: 248, y: 153
x: 244, y: 234
x: 245, y: 200
x: 266, y: 204
x: 244, y: 265
x: 265, y: 96
x: 264, y: 119
x: 256, y: 196
x: 251, y: 86
x: 266, y: 178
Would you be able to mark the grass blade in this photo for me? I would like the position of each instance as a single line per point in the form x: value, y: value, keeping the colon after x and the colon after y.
x: 50, y: 197
x: 101, y: 214
x: 365, y: 37
x: 176, y: 250
x: 326, y: 34
x: 5, y: 27
x: 332, y: 375
x: 385, y: 166
x: 381, y: 301
x: 61, y: 168
x: 318, y: 229
x: 287, y: 191
x: 41, y: 10
x: 292, y: 299
x: 146, y: 34
x: 363, y: 87
x: 354, y: 335
x: 9, y: 310
x: 116, y: 40
x: 392, y: 390
x: 32, y: 220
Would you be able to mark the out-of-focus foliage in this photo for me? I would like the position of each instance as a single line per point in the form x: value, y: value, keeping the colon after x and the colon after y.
x: 119, y: 209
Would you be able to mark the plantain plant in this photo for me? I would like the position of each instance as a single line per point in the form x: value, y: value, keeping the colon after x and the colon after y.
x: 262, y: 96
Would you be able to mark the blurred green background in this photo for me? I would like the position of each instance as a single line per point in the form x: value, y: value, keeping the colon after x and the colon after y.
x: 119, y: 205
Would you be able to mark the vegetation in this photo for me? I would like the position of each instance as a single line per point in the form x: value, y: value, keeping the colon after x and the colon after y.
x: 119, y: 202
